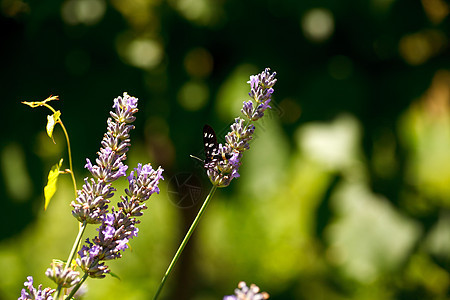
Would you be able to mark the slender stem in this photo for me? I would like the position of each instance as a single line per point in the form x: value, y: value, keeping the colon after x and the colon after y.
x: 81, y: 230
x: 75, y: 289
x: 58, y: 291
x: 81, y: 227
x: 185, y: 240
x: 69, y: 152
x: 49, y: 107
x: 75, y: 244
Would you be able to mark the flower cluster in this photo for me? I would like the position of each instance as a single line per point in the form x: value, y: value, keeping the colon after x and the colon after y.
x: 62, y: 277
x: 243, y: 292
x: 119, y: 226
x: 92, y: 200
x: 237, y: 140
x: 35, y: 294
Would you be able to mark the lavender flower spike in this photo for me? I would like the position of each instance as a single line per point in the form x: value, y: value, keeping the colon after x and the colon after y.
x: 35, y: 294
x: 65, y: 278
x: 93, y: 198
x: 119, y: 226
x: 89, y: 261
x: 243, y: 292
x: 222, y: 171
x: 144, y: 181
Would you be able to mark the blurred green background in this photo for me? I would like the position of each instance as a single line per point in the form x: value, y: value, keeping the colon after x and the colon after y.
x: 345, y: 193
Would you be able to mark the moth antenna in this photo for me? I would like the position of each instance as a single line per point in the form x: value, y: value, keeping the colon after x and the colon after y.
x: 195, y: 157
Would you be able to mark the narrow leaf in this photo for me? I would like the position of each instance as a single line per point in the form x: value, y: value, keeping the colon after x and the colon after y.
x: 114, y: 275
x: 50, y: 188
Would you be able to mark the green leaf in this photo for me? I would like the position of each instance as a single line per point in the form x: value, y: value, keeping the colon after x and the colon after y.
x: 50, y: 188
x: 114, y: 275
x: 51, y: 121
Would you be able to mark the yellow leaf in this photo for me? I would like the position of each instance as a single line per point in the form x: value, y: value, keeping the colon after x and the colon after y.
x: 50, y: 188
x: 51, y: 121
x: 40, y: 103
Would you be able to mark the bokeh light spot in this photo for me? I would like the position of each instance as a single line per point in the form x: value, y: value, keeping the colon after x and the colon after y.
x: 193, y: 95
x: 144, y: 53
x: 17, y: 181
x: 88, y: 12
x: 334, y: 145
x: 317, y: 24
x: 436, y: 10
x: 201, y: 12
x: 418, y: 47
x: 14, y: 8
x: 198, y: 62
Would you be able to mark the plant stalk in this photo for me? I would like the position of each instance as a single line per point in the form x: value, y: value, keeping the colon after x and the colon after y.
x: 185, y: 241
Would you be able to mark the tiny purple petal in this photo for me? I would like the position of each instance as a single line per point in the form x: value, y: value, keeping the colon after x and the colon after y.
x: 94, y: 251
x: 234, y: 160
x: 132, y: 102
x: 147, y: 169
x: 88, y: 165
x: 109, y: 219
x: 122, y: 244
x: 254, y: 81
x: 135, y: 231
x: 116, y: 102
x: 29, y: 283
x: 108, y: 232
x: 248, y: 106
x: 121, y: 172
x: 138, y: 170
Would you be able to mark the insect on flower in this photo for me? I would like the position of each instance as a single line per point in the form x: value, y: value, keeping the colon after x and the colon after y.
x: 212, y: 152
x: 211, y: 148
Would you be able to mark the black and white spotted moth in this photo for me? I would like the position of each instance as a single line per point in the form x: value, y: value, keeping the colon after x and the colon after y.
x: 211, y: 148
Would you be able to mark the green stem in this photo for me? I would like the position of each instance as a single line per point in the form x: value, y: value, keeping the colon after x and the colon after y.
x: 82, y: 227
x: 58, y: 291
x: 81, y: 230
x: 69, y: 152
x: 68, y: 148
x: 185, y: 240
x: 75, y: 289
x: 76, y: 244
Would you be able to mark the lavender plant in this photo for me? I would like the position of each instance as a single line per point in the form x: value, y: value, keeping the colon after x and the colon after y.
x: 221, y: 171
x: 117, y: 225
x: 223, y: 161
x: 243, y: 292
x: 31, y: 293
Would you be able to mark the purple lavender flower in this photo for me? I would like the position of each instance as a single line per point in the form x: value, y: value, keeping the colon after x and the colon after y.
x: 261, y: 91
x: 114, y: 233
x: 35, y: 294
x: 243, y: 292
x: 109, y: 165
x: 143, y: 182
x: 89, y: 261
x: 92, y: 200
x: 222, y: 171
x: 66, y: 278
x: 118, y: 227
